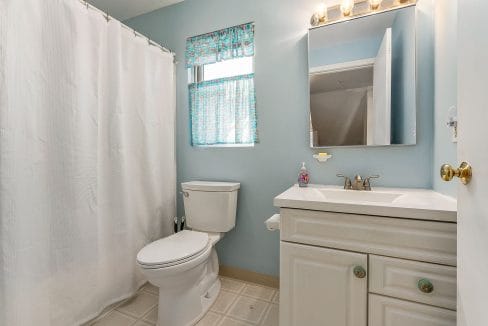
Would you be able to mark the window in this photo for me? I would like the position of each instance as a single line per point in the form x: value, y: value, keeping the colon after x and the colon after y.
x: 221, y: 87
x: 228, y: 68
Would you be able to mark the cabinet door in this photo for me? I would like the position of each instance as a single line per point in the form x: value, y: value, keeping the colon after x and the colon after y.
x: 385, y: 311
x: 318, y: 286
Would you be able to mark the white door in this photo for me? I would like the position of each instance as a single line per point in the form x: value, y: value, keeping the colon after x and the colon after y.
x: 320, y: 288
x: 379, y: 115
x: 473, y: 148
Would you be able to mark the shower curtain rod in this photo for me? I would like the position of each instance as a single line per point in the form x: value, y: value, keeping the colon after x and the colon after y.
x: 136, y: 33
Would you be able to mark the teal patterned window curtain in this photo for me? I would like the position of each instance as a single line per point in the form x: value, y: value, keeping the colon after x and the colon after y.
x: 223, y: 111
x: 229, y: 43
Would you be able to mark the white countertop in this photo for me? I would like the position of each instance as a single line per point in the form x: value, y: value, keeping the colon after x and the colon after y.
x: 420, y: 204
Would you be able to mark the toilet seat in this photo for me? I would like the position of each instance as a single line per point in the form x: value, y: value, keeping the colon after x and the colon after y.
x: 176, y: 249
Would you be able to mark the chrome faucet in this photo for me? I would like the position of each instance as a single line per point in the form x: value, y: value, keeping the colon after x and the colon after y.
x: 359, y: 183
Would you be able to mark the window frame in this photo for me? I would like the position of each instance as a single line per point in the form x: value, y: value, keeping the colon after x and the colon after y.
x: 196, y: 74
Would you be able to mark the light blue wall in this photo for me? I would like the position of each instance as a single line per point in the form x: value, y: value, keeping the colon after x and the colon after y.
x: 282, y: 98
x: 445, y: 90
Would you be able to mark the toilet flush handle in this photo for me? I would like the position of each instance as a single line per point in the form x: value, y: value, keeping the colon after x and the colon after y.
x: 185, y: 193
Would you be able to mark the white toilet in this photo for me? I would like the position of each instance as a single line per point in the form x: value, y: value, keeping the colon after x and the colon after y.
x: 185, y: 265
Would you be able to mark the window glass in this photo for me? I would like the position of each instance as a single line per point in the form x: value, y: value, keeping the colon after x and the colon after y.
x: 228, y: 68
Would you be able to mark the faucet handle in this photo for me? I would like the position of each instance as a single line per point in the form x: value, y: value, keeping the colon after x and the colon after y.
x: 367, y: 183
x: 374, y: 176
x: 347, y: 181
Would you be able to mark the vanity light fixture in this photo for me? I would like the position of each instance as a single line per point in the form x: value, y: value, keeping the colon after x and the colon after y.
x: 375, y: 4
x: 346, y: 7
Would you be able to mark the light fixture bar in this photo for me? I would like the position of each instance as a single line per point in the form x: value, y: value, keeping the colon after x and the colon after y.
x: 358, y: 8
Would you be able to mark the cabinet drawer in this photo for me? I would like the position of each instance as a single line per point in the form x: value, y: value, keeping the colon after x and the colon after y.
x: 400, y: 278
x: 395, y: 237
x: 384, y: 311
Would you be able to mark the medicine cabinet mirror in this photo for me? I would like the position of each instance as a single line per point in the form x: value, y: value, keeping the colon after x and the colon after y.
x: 362, y: 75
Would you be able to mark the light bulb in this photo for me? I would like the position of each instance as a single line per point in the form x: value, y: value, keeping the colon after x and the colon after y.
x: 374, y: 4
x: 347, y: 6
x: 322, y: 12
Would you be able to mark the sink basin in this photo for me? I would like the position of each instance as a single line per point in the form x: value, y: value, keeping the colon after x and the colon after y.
x: 340, y: 195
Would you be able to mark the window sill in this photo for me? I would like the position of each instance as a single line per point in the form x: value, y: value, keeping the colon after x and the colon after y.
x: 225, y: 146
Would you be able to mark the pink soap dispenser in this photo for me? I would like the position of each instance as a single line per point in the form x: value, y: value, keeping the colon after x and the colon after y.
x: 303, y: 176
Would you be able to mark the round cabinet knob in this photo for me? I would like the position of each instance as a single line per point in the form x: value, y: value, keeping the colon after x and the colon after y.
x: 425, y: 286
x: 359, y: 272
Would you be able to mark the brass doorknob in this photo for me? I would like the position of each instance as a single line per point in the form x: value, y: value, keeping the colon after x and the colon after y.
x: 464, y: 172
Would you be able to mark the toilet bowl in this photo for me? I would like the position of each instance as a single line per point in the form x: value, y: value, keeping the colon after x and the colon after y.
x: 184, y: 266
x: 186, y: 275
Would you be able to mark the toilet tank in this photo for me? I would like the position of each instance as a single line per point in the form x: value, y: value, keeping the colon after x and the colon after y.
x: 210, y: 206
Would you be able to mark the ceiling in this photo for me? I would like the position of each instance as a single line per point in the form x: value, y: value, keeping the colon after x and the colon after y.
x: 350, y: 79
x: 125, y: 9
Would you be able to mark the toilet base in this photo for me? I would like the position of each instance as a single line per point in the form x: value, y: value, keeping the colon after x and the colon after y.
x: 186, y: 297
x: 207, y: 301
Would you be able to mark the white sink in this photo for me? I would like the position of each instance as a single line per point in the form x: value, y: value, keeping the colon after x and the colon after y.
x: 392, y: 202
x: 340, y: 195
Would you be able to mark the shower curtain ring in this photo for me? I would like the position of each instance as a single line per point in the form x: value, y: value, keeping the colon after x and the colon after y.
x: 107, y: 17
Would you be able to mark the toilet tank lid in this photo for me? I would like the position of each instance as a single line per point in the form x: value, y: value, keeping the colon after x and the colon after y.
x: 210, y: 186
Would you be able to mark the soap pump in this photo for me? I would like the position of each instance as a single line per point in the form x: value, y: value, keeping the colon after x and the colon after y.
x: 303, y: 176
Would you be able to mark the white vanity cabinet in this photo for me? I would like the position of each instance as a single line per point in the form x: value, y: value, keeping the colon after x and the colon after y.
x: 339, y: 268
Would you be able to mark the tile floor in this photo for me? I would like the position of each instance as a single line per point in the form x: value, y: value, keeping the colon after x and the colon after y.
x: 239, y: 304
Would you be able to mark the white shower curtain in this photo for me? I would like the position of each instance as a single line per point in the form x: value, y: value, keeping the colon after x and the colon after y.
x: 87, y: 160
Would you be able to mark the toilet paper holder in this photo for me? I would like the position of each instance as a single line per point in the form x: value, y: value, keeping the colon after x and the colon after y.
x: 273, y: 223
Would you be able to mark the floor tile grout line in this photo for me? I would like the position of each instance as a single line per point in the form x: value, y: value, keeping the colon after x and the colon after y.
x: 252, y: 284
x: 230, y: 305
x: 249, y: 283
x: 266, y: 313
x: 262, y: 286
x: 258, y: 298
x: 241, y: 291
x: 132, y: 316
x: 235, y: 319
x: 244, y: 320
x: 111, y: 310
x: 147, y: 313
x: 125, y: 314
